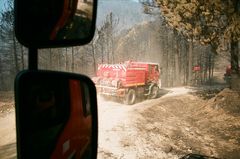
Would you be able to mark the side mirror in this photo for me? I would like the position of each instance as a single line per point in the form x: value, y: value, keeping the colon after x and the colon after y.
x: 56, y: 115
x: 54, y: 23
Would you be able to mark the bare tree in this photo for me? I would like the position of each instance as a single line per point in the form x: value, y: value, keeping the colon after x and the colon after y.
x: 12, y: 53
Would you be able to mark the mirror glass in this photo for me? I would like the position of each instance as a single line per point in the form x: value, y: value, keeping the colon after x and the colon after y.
x: 55, y: 116
x: 45, y: 23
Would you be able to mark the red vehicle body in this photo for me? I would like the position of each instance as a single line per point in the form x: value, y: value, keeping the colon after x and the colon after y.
x: 75, y: 138
x: 128, y: 80
x: 69, y: 9
x: 228, y: 73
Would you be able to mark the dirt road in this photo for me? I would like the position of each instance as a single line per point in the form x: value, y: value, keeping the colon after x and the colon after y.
x: 7, y: 126
x: 178, y: 123
x: 169, y: 127
x: 8, y: 136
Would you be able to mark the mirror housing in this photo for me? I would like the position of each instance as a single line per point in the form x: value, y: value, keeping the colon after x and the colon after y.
x: 54, y: 23
x: 56, y: 115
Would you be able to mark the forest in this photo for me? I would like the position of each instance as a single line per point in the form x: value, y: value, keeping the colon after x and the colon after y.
x: 181, y: 36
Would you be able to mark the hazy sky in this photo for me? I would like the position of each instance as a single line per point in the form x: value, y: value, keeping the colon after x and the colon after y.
x: 2, y: 4
x: 129, y: 12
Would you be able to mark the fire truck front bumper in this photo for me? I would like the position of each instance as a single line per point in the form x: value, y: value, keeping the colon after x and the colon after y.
x: 111, y: 91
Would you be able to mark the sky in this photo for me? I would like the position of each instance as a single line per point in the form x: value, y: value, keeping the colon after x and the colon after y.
x: 129, y: 12
x: 2, y: 2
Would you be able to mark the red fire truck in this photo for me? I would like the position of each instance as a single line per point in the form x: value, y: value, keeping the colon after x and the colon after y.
x: 128, y: 80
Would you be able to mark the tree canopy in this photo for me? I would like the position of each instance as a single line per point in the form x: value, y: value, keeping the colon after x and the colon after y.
x: 203, y: 20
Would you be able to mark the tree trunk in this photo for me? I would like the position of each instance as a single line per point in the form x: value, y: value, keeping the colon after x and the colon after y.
x: 209, y: 67
x: 15, y: 54
x: 66, y: 60
x: 183, y: 62
x: 167, y: 62
x: 22, y: 57
x: 177, y: 66
x: 94, y: 59
x: 72, y: 67
x: 235, y: 78
x: 50, y: 61
x: 58, y: 59
x: 234, y: 58
x: 102, y: 55
x: 190, y: 52
x: 108, y: 54
x: 201, y: 66
x: 213, y: 64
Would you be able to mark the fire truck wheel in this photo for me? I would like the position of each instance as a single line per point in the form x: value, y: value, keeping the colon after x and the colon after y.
x: 130, y: 97
x: 154, y: 92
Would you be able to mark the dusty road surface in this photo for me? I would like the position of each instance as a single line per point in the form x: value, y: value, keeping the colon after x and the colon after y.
x: 176, y: 124
x: 8, y: 136
x: 181, y: 121
x: 7, y: 126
